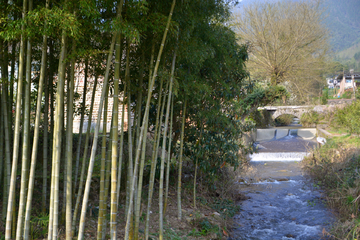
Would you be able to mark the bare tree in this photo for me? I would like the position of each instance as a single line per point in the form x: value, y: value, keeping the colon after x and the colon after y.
x: 287, y: 43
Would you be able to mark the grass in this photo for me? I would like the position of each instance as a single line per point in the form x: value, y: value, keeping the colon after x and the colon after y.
x: 337, y: 130
x: 332, y: 94
x: 335, y: 169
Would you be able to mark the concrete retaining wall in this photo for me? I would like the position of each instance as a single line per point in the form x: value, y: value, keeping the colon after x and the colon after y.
x: 280, y: 133
x: 307, y: 133
x: 277, y: 133
x: 265, y: 134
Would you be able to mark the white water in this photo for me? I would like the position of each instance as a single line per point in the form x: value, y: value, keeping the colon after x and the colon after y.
x: 282, y: 202
x: 277, y: 156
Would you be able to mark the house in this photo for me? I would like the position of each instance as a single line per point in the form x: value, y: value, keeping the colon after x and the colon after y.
x: 348, y: 80
x: 79, y: 89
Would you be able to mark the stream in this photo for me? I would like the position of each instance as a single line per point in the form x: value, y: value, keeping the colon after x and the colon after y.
x: 282, y: 203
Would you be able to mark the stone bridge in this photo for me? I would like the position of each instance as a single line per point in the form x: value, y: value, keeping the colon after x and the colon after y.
x: 297, y: 111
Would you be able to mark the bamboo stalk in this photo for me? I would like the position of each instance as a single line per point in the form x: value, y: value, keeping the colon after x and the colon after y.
x: 7, y: 163
x: 81, y: 124
x: 45, y: 146
x: 121, y: 148
x: 11, y: 197
x: 141, y: 175
x: 130, y: 141
x: 161, y: 188
x: 152, y: 172
x: 102, y: 170
x: 69, y: 145
x: 180, y: 161
x: 36, y: 138
x: 94, y: 146
x: 144, y: 123
x: 114, y: 141
x: 2, y: 158
x: 169, y: 156
x: 158, y: 124
x: 25, y: 144
x: 82, y: 175
x: 130, y: 148
x: 58, y: 134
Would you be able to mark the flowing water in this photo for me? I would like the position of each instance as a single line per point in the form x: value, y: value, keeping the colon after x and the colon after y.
x: 282, y: 203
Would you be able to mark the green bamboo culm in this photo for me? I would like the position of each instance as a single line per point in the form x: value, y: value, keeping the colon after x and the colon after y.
x: 169, y: 157
x: 26, y: 141
x: 102, y: 170
x: 138, y: 148
x: 57, y: 138
x: 139, y: 187
x: 69, y: 145
x: 78, y: 149
x: 161, y: 188
x: 180, y: 161
x: 94, y: 146
x: 36, y: 137
x: 121, y: 148
x: 7, y: 164
x: 114, y: 138
x: 83, y: 165
x: 11, y: 193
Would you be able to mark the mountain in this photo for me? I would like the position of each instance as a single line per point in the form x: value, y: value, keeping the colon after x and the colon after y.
x: 342, y: 18
x: 343, y: 22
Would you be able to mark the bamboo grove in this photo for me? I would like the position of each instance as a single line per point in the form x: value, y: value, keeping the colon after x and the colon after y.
x: 177, y: 82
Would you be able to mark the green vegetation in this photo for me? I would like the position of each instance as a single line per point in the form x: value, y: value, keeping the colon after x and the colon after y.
x: 284, y: 120
x: 325, y: 96
x: 343, y: 21
x: 310, y: 119
x: 334, y: 168
x: 262, y: 118
x: 205, y: 228
x: 348, y: 118
x: 179, y: 73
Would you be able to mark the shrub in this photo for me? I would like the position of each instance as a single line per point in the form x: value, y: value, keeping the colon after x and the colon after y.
x: 262, y: 118
x: 325, y: 96
x: 357, y: 94
x: 348, y: 118
x: 284, y: 120
x: 310, y: 119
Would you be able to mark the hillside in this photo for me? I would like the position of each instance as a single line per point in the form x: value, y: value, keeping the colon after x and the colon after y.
x: 342, y: 18
x: 343, y: 22
x: 349, y: 53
